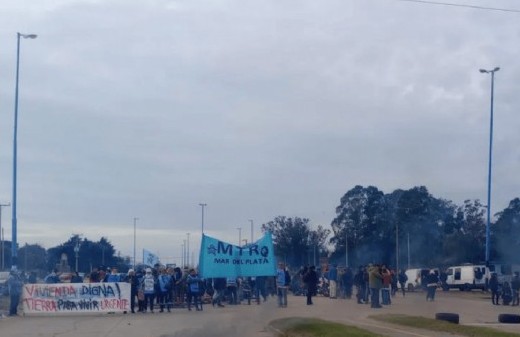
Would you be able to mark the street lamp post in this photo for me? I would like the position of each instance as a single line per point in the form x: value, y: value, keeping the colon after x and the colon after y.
x: 14, y: 245
x: 202, y: 222
x: 252, y: 237
x: 239, y: 235
x: 188, y: 249
x: 76, y: 250
x: 135, y: 226
x: 2, y: 235
x: 488, y: 220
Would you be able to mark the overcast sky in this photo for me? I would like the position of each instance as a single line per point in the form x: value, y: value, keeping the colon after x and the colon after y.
x: 257, y: 108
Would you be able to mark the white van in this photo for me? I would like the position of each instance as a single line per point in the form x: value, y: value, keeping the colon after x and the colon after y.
x: 468, y: 277
x: 417, y: 278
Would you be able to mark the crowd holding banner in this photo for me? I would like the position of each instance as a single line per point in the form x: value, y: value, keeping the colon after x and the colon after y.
x: 76, y: 297
x: 248, y: 265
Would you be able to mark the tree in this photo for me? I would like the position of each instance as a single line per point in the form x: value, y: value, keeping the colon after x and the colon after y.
x: 506, y: 231
x: 363, y: 218
x: 294, y: 238
x: 32, y: 257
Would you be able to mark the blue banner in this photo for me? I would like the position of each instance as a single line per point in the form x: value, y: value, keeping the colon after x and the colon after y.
x: 222, y: 259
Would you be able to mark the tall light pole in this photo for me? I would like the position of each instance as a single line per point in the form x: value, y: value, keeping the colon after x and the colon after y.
x: 202, y: 222
x: 488, y: 220
x: 188, y: 249
x: 2, y: 234
x: 239, y: 235
x: 14, y: 245
x: 135, y: 228
x: 183, y: 253
x: 252, y: 237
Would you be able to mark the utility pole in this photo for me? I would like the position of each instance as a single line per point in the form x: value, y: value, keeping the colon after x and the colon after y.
x: 251, y: 221
x: 135, y: 225
x: 2, y: 235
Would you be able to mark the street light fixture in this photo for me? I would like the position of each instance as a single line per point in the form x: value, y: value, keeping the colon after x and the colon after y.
x: 14, y: 244
x: 135, y: 225
x: 202, y: 223
x: 488, y: 220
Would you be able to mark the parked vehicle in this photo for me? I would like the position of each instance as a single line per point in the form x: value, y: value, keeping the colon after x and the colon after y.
x: 504, y: 271
x: 417, y: 278
x: 468, y: 277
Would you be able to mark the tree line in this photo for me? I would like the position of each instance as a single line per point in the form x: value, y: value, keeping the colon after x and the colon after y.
x: 400, y: 227
x: 370, y: 226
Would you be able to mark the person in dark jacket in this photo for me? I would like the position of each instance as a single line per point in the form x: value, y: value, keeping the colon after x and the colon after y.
x: 494, y: 287
x: 134, y: 285
x: 311, y: 282
x: 219, y: 284
x: 515, y: 287
x: 359, y: 282
x: 432, y: 281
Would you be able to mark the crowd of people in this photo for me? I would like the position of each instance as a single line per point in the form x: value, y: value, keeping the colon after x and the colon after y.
x: 164, y: 288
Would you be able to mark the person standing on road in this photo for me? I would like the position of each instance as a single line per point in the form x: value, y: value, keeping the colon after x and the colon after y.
x: 165, y: 285
x: 402, y: 281
x: 332, y: 276
x: 148, y: 286
x: 360, y: 285
x: 311, y: 281
x: 134, y: 282
x: 493, y: 286
x: 432, y: 281
x: 283, y: 279
x: 14, y: 285
x: 515, y: 287
x: 375, y: 281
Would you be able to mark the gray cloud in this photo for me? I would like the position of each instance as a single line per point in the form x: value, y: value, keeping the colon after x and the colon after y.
x: 256, y: 108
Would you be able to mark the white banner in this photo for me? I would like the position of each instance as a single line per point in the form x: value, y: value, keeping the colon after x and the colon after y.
x: 76, y: 297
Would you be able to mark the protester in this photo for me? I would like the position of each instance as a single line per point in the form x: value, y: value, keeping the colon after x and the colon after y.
x: 360, y: 285
x: 432, y: 281
x: 402, y: 278
x: 52, y: 277
x: 76, y: 278
x: 219, y: 285
x: 113, y: 276
x: 14, y: 284
x: 232, y: 286
x: 148, y: 286
x: 195, y: 290
x: 375, y: 280
x: 332, y: 276
x: 311, y: 282
x: 260, y: 289
x: 283, y: 279
x: 134, y: 284
x: 494, y: 287
x: 515, y: 287
x: 165, y: 284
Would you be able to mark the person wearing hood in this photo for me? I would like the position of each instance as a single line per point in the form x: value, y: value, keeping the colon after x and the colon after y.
x: 148, y: 284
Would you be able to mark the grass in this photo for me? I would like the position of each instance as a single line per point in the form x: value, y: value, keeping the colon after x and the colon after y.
x: 307, y: 327
x: 442, y: 326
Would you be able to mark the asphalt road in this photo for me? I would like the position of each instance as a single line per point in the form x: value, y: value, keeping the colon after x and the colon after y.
x: 253, y: 320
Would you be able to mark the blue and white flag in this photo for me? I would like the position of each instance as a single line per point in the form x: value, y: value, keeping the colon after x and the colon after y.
x: 222, y: 259
x: 150, y: 258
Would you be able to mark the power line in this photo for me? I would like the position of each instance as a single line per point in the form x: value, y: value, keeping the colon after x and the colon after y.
x: 462, y: 5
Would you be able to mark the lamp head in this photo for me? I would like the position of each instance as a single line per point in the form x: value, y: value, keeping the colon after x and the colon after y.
x: 496, y: 69
x: 28, y: 36
x: 483, y: 71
